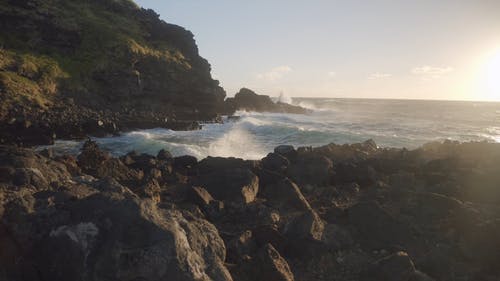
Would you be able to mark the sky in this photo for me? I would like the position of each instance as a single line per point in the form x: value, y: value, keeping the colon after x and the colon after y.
x: 425, y: 49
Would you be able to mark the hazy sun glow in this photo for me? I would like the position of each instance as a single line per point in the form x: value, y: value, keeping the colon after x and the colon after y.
x: 490, y: 77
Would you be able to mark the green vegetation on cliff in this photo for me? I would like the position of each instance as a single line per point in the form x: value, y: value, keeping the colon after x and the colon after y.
x: 101, y: 54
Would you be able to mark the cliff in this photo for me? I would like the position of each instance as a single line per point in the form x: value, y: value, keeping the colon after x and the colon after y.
x: 108, y: 59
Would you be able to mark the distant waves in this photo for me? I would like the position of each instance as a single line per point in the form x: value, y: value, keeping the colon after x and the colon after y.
x: 391, y: 123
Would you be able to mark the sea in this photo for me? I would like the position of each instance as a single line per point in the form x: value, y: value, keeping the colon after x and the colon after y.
x: 390, y: 123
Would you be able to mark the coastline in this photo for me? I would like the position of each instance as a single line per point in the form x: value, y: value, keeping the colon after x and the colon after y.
x: 352, y: 212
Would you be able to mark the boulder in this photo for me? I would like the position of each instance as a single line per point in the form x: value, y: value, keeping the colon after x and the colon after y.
x: 184, y: 162
x: 241, y: 247
x: 114, y: 168
x: 271, y: 266
x: 311, y: 169
x: 379, y: 230
x: 337, y: 237
x: 306, y: 226
x: 285, y: 196
x: 23, y: 167
x: 112, y: 235
x: 164, y: 155
x: 275, y: 162
x: 287, y: 151
x: 233, y: 186
x: 269, y: 234
x: 199, y: 196
x: 479, y: 242
x: 91, y: 157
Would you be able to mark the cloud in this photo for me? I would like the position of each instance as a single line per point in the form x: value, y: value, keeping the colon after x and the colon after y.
x: 431, y: 72
x: 378, y: 75
x: 275, y: 74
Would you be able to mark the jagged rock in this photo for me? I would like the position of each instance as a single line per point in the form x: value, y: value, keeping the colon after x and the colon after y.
x: 480, y: 243
x: 233, y: 186
x: 271, y: 266
x: 269, y: 234
x: 185, y: 162
x: 240, y: 247
x: 23, y: 167
x: 287, y: 151
x: 337, y: 237
x: 71, y: 164
x: 285, y: 195
x: 378, y: 229
x: 91, y: 157
x: 164, y: 155
x: 116, y: 169
x: 199, y: 196
x: 312, y: 170
x: 307, y: 225
x: 275, y: 162
x: 113, y: 235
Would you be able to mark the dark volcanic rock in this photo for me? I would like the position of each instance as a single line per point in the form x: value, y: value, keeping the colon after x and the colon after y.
x: 313, y: 170
x: 248, y: 100
x: 396, y: 267
x: 106, y: 232
x: 142, y: 217
x: 285, y: 195
x: 233, y: 186
x: 271, y: 265
x: 379, y: 230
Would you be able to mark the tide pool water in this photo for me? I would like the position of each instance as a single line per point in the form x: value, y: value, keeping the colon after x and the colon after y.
x: 391, y: 123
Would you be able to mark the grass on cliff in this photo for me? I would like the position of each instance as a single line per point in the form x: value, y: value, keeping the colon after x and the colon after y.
x: 109, y: 39
x: 28, y: 79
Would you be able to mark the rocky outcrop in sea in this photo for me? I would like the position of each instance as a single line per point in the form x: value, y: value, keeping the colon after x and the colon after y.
x: 248, y: 100
x: 336, y: 212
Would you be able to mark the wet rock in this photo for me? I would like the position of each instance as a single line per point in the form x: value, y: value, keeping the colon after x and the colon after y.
x: 185, y: 162
x: 287, y: 151
x: 91, y: 157
x: 164, y: 155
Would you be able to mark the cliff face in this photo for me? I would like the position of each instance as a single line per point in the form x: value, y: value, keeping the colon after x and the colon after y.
x: 100, y: 54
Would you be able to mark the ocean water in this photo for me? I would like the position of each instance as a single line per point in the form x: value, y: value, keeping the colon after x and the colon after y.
x: 391, y: 123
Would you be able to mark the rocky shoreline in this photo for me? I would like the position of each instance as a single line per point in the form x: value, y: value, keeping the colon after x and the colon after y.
x: 336, y: 212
